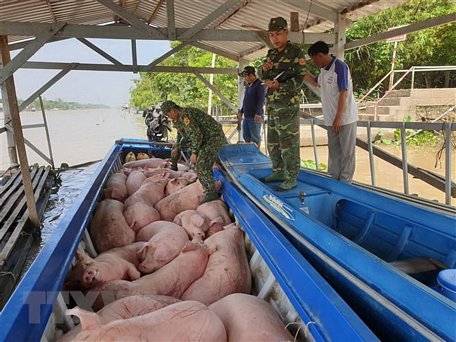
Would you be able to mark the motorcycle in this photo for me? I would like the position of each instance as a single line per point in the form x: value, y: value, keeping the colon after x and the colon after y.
x: 158, y: 124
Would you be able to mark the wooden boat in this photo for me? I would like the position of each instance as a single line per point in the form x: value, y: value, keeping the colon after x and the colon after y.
x: 382, y: 253
x: 301, y: 297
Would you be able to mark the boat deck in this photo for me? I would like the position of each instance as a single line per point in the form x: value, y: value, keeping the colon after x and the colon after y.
x: 16, y: 232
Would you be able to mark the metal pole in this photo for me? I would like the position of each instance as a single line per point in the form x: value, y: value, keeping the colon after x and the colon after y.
x: 241, y: 64
x: 413, y: 78
x: 371, y: 154
x: 48, y: 138
x: 18, y: 136
x: 211, y: 81
x: 314, y: 144
x: 448, y: 151
x: 404, y: 159
x: 393, y: 62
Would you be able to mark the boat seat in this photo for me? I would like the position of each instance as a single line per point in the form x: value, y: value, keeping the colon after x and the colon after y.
x: 418, y: 265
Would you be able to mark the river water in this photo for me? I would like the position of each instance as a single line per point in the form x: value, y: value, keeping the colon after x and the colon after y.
x: 80, y: 136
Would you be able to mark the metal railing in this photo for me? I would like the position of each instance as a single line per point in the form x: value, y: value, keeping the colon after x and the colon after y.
x: 447, y: 128
x: 412, y: 70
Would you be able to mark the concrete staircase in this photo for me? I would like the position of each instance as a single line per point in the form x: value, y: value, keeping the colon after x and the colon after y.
x: 400, y: 103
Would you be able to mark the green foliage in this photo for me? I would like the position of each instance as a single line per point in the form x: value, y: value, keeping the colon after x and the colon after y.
x: 433, y: 46
x: 184, y: 89
x: 59, y: 104
x: 310, y: 164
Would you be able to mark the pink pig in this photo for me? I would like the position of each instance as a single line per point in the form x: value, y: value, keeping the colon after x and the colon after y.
x: 194, y: 224
x: 154, y: 228
x: 184, y: 199
x: 183, y: 321
x: 248, y: 318
x: 140, y: 214
x: 151, y: 191
x: 175, y: 185
x: 215, y: 209
x: 108, y: 228
x: 134, y: 181
x: 227, y: 269
x: 115, y: 264
x: 161, y: 249
x: 116, y: 187
x: 148, y: 163
x: 170, y: 280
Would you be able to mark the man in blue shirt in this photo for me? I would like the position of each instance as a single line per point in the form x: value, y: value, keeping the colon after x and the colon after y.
x: 252, y: 106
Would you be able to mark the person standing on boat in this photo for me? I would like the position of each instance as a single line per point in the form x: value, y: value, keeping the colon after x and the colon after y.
x: 339, y: 110
x: 252, y: 106
x: 205, y: 137
x: 283, y: 73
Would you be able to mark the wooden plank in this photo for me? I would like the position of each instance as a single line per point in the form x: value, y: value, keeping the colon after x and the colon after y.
x: 20, y: 225
x: 9, y: 182
x: 19, y: 207
x: 18, y: 184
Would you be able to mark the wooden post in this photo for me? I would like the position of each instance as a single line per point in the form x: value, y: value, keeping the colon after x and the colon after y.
x: 18, y: 135
x: 294, y: 21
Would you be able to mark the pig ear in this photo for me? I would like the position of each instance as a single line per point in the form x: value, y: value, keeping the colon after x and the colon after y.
x: 80, y: 255
x: 231, y: 226
x: 89, y: 320
x: 141, y: 253
x: 172, y: 181
x: 197, y: 220
x: 218, y: 220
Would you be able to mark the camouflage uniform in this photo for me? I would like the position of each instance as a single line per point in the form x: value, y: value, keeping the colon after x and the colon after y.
x: 205, y: 136
x: 181, y: 142
x: 282, y: 106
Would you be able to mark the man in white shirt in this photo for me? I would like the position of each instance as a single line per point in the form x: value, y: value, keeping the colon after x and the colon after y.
x: 339, y: 110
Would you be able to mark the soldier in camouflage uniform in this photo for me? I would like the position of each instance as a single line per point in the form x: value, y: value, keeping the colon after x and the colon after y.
x: 283, y: 73
x: 205, y: 137
x: 181, y: 142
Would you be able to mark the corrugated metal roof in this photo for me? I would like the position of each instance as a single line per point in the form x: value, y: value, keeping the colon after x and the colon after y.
x: 252, y: 13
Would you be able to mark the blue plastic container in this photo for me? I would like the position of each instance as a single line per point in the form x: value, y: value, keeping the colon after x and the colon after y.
x: 447, y: 283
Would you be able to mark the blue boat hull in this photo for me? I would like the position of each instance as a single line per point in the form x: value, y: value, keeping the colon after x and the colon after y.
x: 326, y: 315
x: 351, y: 235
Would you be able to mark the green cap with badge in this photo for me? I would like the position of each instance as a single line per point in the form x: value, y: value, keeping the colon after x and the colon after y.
x: 167, y: 106
x: 277, y: 24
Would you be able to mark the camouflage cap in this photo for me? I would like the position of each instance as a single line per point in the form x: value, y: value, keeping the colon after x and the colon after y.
x: 167, y: 106
x: 277, y: 24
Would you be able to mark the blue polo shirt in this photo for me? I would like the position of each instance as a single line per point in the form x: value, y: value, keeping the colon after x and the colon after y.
x: 253, y: 99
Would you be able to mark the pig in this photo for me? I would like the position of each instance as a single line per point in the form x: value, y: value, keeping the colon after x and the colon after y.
x: 175, y: 185
x: 215, y: 209
x: 145, y: 163
x: 154, y: 228
x: 215, y: 226
x: 248, y: 318
x: 151, y: 191
x: 116, y: 187
x: 182, y: 321
x: 116, y: 264
x: 149, y: 172
x: 125, y: 308
x: 194, y: 224
x: 140, y: 214
x: 170, y: 280
x: 161, y: 249
x: 184, y: 199
x: 227, y: 269
x: 134, y: 181
x: 191, y: 176
x: 108, y: 228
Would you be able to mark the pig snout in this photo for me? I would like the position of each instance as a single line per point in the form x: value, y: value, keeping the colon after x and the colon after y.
x: 89, y: 276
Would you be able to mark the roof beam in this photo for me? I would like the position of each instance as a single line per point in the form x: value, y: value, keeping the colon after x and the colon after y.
x: 171, y: 19
x: 125, y: 32
x: 217, y: 13
x: 130, y: 18
x: 155, y: 11
x: 215, y: 50
x: 51, y: 11
x: 217, y: 92
x: 45, y: 87
x: 29, y: 51
x: 315, y: 9
x: 99, y: 51
x: 128, y: 68
x: 444, y: 19
x: 167, y: 54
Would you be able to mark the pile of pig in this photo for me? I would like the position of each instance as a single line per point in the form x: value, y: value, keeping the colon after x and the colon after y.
x: 169, y: 269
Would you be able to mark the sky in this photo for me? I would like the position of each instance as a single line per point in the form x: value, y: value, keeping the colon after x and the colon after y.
x: 96, y: 87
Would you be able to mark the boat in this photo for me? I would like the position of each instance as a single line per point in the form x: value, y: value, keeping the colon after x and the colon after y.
x: 305, y: 302
x: 381, y: 252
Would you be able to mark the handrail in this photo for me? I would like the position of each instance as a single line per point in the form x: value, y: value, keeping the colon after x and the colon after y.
x: 412, y: 69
